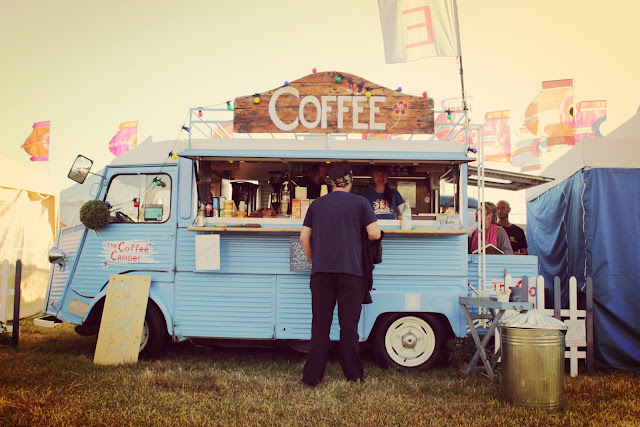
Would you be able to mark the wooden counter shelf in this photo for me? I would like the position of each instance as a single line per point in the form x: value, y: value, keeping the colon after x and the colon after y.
x: 297, y: 230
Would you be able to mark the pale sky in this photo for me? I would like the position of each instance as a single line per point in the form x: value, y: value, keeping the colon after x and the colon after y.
x: 89, y: 65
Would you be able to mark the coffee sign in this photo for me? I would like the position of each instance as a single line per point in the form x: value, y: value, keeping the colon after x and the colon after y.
x: 333, y: 102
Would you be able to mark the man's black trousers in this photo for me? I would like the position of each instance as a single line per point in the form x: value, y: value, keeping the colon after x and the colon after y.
x: 348, y: 290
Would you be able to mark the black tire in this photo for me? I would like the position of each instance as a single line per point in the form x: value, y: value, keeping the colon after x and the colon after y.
x: 411, y: 342
x: 154, y: 332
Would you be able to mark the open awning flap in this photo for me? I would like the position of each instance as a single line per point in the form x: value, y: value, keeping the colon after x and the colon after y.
x: 494, y: 178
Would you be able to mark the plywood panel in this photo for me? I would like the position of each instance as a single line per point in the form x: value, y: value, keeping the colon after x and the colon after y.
x: 122, y: 320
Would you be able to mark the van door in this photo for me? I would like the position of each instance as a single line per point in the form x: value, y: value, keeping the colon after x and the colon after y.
x: 141, y: 236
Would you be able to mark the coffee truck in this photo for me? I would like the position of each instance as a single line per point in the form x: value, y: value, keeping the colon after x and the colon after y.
x: 236, y: 270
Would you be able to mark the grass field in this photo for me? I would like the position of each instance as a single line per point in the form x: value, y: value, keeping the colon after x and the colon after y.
x: 50, y: 380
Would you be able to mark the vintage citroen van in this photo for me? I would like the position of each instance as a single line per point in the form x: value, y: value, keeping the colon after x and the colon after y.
x: 231, y: 276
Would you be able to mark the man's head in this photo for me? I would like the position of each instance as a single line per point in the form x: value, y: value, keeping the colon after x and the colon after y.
x: 503, y: 210
x: 319, y: 169
x: 340, y: 175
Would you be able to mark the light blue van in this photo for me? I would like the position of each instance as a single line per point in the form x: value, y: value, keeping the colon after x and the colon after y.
x: 254, y: 288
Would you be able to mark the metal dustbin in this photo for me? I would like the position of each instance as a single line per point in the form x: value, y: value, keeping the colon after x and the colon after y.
x: 533, y: 360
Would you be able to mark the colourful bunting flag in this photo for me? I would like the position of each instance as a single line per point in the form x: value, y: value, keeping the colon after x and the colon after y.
x: 588, y: 118
x: 550, y: 115
x: 125, y: 139
x: 496, y: 136
x: 37, y: 144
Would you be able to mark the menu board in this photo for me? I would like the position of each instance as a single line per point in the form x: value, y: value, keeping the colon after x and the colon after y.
x: 298, y: 260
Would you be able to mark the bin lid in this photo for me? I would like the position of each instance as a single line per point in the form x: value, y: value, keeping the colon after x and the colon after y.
x: 533, y: 319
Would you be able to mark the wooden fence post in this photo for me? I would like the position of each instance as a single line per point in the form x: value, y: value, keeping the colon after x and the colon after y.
x: 16, y: 305
x: 589, y: 317
x: 557, y: 298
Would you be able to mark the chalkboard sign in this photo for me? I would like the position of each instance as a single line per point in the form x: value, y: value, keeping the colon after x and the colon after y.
x: 298, y: 261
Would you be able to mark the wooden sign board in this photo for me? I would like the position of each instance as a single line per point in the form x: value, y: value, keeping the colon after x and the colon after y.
x: 122, y: 320
x: 298, y: 260
x: 318, y: 103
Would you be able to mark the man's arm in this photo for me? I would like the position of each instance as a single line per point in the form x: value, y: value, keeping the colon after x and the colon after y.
x: 305, y: 241
x: 523, y: 243
x: 373, y: 230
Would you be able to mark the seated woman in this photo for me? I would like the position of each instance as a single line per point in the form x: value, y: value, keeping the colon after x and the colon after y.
x: 494, y: 234
x: 385, y: 200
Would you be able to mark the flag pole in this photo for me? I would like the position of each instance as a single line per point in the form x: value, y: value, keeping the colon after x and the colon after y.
x: 457, y: 25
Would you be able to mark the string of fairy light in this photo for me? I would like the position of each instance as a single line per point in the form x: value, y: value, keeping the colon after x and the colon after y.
x: 338, y: 78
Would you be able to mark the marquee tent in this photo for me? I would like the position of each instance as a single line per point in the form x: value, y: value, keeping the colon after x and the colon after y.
x: 27, y: 230
x: 586, y: 223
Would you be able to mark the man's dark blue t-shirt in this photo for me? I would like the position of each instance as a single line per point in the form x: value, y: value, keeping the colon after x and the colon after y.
x: 337, y: 221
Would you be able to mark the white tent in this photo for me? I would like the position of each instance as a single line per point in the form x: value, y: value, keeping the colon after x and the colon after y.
x: 28, y: 223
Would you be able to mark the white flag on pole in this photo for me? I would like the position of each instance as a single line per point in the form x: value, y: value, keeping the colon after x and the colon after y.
x: 416, y: 29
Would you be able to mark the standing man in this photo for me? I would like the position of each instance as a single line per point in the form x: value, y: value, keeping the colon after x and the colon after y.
x: 331, y: 237
x: 515, y: 233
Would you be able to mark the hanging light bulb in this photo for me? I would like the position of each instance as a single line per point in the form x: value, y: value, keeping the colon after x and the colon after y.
x: 338, y: 79
x: 286, y: 83
x: 158, y: 183
x: 199, y: 113
x: 136, y: 203
x: 314, y: 71
x: 424, y: 94
x: 399, y: 89
x: 174, y: 156
x: 256, y: 100
x: 229, y: 106
x: 367, y: 94
x: 448, y: 115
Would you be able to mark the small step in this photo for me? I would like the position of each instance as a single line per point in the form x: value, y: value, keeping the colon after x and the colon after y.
x: 47, y: 321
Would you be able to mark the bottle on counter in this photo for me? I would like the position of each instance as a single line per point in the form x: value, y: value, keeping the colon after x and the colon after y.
x: 285, y: 199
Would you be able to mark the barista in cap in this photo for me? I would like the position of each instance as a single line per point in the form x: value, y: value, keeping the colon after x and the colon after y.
x: 331, y: 237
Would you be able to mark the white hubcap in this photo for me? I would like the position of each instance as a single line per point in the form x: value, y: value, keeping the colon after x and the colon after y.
x: 410, y: 341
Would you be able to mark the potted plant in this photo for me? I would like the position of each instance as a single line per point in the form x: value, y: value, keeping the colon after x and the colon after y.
x: 94, y: 214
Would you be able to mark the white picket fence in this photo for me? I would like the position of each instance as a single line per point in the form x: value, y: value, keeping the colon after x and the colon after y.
x: 5, y: 293
x: 576, y: 320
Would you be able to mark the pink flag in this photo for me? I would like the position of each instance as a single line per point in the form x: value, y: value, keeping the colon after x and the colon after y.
x: 37, y: 144
x: 496, y: 136
x: 589, y: 115
x: 416, y: 29
x: 125, y: 139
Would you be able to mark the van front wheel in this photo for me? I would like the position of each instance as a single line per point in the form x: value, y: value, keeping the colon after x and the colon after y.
x: 410, y: 342
x: 154, y: 332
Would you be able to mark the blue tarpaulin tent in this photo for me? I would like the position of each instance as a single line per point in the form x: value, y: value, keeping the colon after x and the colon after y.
x: 586, y: 223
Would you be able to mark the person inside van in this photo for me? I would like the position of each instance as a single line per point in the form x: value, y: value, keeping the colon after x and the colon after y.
x: 385, y: 200
x: 314, y: 180
x: 494, y: 234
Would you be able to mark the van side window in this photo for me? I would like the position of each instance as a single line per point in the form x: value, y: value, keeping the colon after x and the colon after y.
x: 144, y: 198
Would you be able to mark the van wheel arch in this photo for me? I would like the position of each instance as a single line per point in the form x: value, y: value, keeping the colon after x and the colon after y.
x: 154, y: 332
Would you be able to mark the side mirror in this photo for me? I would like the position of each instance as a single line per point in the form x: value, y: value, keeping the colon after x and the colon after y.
x: 80, y: 169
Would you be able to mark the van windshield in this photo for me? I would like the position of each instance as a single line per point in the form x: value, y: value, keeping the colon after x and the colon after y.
x: 141, y: 197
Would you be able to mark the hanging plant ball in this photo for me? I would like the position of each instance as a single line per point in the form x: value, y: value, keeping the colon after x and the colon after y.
x: 94, y: 214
